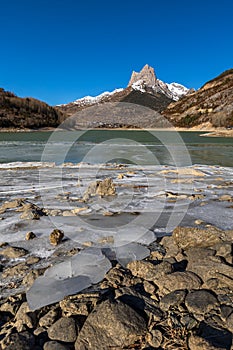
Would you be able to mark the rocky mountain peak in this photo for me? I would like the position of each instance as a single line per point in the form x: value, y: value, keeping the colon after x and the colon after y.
x: 146, y: 76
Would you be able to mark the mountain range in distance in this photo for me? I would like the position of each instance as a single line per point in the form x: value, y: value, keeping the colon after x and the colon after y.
x: 209, y: 107
x: 143, y: 88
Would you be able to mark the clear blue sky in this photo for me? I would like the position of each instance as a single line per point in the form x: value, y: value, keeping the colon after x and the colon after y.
x: 60, y: 50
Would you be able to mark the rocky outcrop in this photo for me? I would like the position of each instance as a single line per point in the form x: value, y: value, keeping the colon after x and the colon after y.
x: 146, y: 76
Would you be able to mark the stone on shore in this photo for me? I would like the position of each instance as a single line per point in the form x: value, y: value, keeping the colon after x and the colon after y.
x: 102, y: 188
x: 63, y: 330
x: 112, y: 324
x: 56, y: 236
x: 13, y: 252
x: 189, y: 237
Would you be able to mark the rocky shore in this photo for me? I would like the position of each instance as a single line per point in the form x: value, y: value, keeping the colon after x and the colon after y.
x: 180, y: 297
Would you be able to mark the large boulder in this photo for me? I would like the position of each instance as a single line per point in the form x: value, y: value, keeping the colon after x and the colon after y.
x: 111, y: 324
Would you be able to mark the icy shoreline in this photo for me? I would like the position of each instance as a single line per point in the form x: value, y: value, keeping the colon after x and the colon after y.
x: 150, y: 201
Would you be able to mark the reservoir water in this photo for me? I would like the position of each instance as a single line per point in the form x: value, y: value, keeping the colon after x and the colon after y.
x: 135, y: 147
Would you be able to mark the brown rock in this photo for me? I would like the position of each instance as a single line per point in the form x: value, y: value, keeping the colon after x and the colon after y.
x: 110, y: 325
x: 11, y: 205
x: 30, y: 235
x: 154, y: 338
x: 64, y: 330
x: 203, y: 262
x: 229, y: 322
x: 200, y: 302
x: 54, y: 345
x: 13, y: 252
x: 189, y: 237
x: 25, y: 316
x: 198, y: 343
x: 178, y: 280
x: 149, y: 271
x: 18, y: 270
x: 102, y: 188
x: 48, y: 319
x: 30, y: 215
x: 170, y: 246
x: 56, y: 236
x: 172, y: 299
x: 18, y: 341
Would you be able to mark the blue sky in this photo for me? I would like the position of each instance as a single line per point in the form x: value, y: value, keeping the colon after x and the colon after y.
x: 60, y: 50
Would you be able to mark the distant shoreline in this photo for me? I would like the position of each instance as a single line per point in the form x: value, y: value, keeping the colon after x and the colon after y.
x: 209, y: 132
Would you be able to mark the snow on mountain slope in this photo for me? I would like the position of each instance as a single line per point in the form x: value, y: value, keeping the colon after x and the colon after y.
x: 177, y: 90
x: 95, y: 99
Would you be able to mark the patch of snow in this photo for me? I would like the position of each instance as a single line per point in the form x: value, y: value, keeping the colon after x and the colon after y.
x: 89, y: 100
x: 139, y: 86
x: 177, y: 90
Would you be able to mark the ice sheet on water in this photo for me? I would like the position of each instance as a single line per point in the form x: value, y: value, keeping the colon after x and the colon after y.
x: 79, y: 272
x: 222, y: 220
x: 129, y: 252
x: 46, y: 290
x: 69, y: 277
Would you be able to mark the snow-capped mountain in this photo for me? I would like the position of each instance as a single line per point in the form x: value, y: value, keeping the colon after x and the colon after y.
x: 146, y: 81
x: 144, y: 88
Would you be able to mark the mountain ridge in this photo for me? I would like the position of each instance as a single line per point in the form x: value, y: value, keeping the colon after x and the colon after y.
x: 210, y: 106
x: 212, y: 103
x: 144, y: 81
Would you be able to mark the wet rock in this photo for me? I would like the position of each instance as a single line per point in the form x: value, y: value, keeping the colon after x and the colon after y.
x: 18, y: 341
x: 64, y: 330
x: 200, y: 302
x: 102, y: 188
x: 189, y: 237
x: 154, y: 338
x: 48, y: 319
x: 110, y: 324
x: 172, y: 299
x: 30, y: 235
x: 54, y: 345
x: 13, y: 252
x: 56, y: 237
